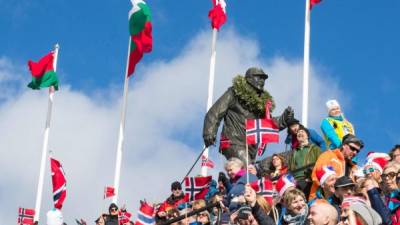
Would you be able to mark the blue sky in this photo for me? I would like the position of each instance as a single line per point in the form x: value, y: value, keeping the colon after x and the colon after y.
x: 354, y: 51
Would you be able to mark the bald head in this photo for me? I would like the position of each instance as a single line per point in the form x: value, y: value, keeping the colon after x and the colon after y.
x: 322, y: 213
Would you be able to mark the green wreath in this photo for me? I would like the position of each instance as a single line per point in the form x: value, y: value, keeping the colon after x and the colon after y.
x: 249, y: 97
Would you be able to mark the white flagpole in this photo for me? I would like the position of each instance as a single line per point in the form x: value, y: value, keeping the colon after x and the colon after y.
x: 306, y: 66
x: 121, y: 131
x: 45, y: 142
x: 210, y: 88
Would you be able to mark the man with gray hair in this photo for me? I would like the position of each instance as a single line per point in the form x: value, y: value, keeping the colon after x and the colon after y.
x: 322, y: 213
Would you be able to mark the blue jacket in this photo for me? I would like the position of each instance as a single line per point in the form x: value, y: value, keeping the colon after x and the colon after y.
x: 314, y: 138
x: 237, y: 189
x: 379, y: 206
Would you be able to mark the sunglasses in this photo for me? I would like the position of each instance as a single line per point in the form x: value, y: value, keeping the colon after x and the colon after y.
x: 176, y: 189
x: 354, y: 149
x: 369, y: 170
x: 113, y: 209
x: 390, y: 175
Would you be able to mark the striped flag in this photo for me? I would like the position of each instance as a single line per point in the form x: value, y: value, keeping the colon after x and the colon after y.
x: 43, y: 74
x: 207, y: 162
x: 264, y: 188
x: 25, y: 216
x: 124, y: 217
x: 196, y: 187
x: 59, y: 183
x: 145, y: 214
x: 140, y: 29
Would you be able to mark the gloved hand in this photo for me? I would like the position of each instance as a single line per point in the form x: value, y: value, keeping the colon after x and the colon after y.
x: 289, y: 112
x: 209, y: 140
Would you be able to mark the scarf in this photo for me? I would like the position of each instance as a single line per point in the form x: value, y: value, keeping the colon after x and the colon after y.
x: 393, y: 200
x: 299, y: 219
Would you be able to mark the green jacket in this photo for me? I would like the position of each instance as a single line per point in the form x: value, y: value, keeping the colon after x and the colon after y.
x: 311, y: 157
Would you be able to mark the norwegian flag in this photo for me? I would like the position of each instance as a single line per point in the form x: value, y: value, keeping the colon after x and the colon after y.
x: 205, y: 161
x: 109, y: 192
x: 25, y: 216
x: 59, y: 183
x: 145, y: 214
x: 262, y: 131
x: 217, y: 14
x: 196, y: 187
x: 264, y: 188
x: 124, y: 217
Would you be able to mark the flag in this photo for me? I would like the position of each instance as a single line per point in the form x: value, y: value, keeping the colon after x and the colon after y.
x: 124, y: 217
x: 217, y: 14
x: 109, y: 192
x: 264, y: 188
x: 59, y: 183
x: 43, y: 74
x: 145, y: 214
x: 140, y: 31
x: 314, y: 2
x: 25, y: 216
x: 260, y: 132
x: 206, y: 162
x: 196, y: 187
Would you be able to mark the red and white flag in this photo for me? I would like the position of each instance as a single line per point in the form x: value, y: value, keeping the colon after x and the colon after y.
x: 217, y: 14
x: 109, y: 192
x: 59, y: 183
x: 264, y: 188
x: 196, y: 187
x: 314, y: 2
x: 145, y: 214
x: 124, y: 217
x: 205, y: 161
x: 262, y: 131
x: 25, y: 216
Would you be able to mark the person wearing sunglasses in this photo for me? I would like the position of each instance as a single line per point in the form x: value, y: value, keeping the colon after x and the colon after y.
x: 390, y: 209
x: 339, y: 159
x: 175, y: 200
x: 112, y: 217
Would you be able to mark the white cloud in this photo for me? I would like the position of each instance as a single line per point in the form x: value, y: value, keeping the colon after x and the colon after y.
x: 163, y: 127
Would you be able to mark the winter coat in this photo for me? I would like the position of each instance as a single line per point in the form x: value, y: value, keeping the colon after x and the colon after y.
x: 333, y: 158
x: 111, y: 220
x: 334, y: 129
x: 314, y: 138
x: 379, y: 206
x: 311, y: 157
x: 234, y: 113
x: 237, y: 189
x: 261, y: 216
x: 171, y: 203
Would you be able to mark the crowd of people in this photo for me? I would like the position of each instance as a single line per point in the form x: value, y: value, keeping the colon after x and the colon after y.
x: 317, y: 181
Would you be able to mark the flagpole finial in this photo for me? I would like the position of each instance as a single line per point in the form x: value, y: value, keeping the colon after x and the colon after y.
x: 56, y: 46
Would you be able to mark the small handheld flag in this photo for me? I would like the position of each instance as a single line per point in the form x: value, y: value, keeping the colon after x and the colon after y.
x: 109, y: 192
x: 145, y: 214
x: 25, y: 216
x: 207, y: 162
x: 196, y: 187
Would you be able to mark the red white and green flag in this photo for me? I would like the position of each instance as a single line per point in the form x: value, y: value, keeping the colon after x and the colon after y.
x: 314, y: 2
x: 140, y: 30
x: 43, y: 74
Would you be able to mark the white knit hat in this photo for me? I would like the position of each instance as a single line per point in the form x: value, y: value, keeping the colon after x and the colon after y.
x: 332, y: 104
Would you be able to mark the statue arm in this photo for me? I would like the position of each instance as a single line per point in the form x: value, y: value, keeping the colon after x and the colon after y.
x: 281, y: 120
x: 214, y: 116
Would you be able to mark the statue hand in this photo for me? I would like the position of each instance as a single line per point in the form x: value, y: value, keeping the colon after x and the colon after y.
x: 209, y: 140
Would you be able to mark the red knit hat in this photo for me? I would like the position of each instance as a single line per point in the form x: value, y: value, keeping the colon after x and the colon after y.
x: 284, y: 182
x: 377, y: 160
x: 323, y: 173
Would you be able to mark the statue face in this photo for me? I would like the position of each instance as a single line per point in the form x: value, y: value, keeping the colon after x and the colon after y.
x: 257, y: 81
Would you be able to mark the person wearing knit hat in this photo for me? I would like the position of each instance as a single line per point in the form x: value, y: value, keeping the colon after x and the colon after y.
x: 335, y: 126
x: 284, y: 183
x: 302, y: 159
x: 376, y: 161
x: 363, y: 214
x: 291, y: 138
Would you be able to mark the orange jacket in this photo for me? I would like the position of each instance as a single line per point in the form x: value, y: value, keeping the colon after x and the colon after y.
x: 332, y: 158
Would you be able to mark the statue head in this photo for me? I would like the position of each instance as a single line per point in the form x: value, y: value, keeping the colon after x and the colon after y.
x: 256, y: 78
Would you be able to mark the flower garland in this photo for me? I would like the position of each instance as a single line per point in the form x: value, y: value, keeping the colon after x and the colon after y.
x: 249, y: 97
